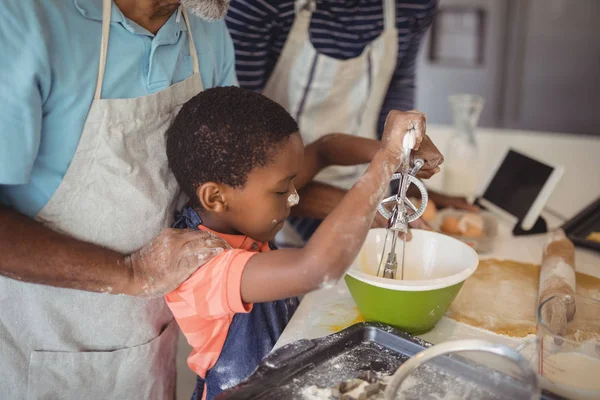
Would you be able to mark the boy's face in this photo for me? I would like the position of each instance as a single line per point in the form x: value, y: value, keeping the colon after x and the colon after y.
x: 260, y: 208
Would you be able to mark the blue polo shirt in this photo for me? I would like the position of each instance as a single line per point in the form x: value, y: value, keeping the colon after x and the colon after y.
x: 49, y: 53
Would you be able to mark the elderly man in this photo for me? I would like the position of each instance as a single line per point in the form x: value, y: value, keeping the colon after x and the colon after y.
x: 87, y: 91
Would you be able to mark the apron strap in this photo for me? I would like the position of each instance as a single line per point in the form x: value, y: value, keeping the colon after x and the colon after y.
x: 191, y: 44
x: 308, y: 6
x: 106, y: 14
x: 106, y: 11
x: 389, y: 14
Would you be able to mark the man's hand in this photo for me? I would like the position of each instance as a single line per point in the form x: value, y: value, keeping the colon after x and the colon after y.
x: 432, y: 157
x: 169, y: 259
x: 31, y: 252
x: 444, y: 201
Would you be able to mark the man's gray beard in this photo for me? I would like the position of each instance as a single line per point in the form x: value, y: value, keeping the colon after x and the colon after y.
x: 209, y: 10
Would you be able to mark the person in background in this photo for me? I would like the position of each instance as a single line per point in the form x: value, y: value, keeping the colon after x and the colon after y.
x: 336, y: 66
x: 85, y: 194
x: 240, y: 158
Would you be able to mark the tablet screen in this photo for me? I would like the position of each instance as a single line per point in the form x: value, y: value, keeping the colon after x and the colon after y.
x: 517, y: 183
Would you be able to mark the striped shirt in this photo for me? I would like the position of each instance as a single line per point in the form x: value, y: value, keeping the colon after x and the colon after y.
x: 205, y: 304
x: 338, y: 28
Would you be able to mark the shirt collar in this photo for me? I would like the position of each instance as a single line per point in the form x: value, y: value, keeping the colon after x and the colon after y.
x: 92, y: 9
x: 188, y: 218
x: 240, y: 241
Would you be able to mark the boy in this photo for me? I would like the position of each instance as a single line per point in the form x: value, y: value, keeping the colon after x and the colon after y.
x: 239, y: 157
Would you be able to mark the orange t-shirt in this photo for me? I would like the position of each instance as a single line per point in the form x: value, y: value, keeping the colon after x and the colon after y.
x: 205, y: 304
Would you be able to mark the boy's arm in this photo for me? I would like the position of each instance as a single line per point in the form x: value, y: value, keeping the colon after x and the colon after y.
x: 343, y: 149
x: 337, y: 241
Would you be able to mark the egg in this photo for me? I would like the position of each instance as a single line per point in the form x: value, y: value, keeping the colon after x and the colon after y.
x: 450, y: 226
x: 473, y: 232
x: 471, y: 225
x: 468, y: 225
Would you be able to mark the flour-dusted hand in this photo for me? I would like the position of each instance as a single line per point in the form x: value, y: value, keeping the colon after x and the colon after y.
x: 397, y: 125
x: 170, y: 258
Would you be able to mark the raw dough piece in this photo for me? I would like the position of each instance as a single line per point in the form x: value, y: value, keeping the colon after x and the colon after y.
x: 502, y: 297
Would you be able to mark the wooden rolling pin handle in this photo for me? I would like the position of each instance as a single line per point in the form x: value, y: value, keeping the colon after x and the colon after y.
x: 557, y: 278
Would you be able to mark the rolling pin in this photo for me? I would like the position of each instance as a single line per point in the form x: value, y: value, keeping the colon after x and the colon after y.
x: 557, y: 278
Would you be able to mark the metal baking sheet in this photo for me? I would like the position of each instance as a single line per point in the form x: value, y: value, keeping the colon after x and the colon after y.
x: 328, y: 361
x: 584, y: 223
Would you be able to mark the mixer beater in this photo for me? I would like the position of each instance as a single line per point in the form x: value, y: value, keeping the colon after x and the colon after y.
x: 403, y: 212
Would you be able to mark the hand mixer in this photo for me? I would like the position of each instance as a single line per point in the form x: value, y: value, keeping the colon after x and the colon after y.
x: 399, y: 217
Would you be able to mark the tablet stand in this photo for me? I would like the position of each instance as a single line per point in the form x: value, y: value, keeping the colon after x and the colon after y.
x: 540, y: 225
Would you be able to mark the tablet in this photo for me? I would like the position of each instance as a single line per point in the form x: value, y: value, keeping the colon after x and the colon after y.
x: 520, y: 188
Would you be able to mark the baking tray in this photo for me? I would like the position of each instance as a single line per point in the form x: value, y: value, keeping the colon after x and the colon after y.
x: 584, y: 223
x: 325, y: 362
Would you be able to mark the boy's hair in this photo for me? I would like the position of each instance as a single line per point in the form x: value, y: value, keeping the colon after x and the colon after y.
x: 222, y: 134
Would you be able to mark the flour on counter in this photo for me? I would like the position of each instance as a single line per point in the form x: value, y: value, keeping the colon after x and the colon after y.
x: 315, y: 393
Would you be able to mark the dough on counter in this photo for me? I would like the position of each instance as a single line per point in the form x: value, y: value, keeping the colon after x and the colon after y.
x: 502, y: 297
x: 593, y: 237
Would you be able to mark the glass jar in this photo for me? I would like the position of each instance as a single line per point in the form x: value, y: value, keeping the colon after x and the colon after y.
x: 461, y: 165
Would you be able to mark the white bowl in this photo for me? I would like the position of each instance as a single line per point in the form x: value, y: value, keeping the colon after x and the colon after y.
x: 432, y: 261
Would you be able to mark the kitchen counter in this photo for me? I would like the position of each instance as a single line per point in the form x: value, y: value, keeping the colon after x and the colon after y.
x: 329, y: 310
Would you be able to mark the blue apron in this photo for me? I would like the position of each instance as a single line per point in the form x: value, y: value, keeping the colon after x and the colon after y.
x: 304, y: 226
x: 250, y: 338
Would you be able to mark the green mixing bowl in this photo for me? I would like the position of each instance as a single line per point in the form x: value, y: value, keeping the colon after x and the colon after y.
x: 435, y: 269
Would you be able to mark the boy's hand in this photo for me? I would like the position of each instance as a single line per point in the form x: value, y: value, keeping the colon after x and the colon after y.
x: 397, y: 125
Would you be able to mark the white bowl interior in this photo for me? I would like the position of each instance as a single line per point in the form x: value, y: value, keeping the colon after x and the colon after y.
x: 432, y: 261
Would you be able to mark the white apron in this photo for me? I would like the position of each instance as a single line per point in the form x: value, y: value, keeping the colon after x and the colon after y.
x: 327, y: 95
x: 117, y: 193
